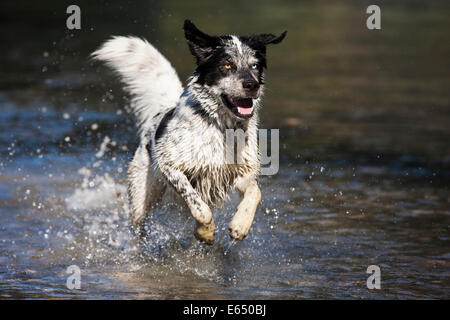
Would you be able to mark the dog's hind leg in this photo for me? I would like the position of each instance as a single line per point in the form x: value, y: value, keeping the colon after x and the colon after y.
x: 146, y: 187
x: 242, y: 220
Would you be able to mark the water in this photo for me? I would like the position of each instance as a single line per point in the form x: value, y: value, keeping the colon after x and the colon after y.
x: 364, y: 171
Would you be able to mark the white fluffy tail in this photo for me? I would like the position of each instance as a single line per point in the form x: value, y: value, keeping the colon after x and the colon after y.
x: 150, y: 79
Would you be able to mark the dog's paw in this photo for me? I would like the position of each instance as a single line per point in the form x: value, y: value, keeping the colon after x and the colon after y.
x: 237, y: 232
x: 205, y: 232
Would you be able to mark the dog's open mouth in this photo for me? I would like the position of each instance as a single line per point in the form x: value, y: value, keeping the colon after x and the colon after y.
x: 241, y: 107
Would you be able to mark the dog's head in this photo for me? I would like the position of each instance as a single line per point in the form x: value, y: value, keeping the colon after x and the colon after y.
x: 231, y: 67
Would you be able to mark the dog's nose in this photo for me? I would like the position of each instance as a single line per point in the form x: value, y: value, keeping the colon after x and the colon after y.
x: 250, y: 84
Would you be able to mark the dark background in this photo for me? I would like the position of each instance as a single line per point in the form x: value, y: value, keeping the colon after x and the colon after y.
x: 333, y: 83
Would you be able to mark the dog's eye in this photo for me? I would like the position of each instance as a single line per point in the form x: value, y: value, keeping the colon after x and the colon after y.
x: 254, y: 66
x: 228, y: 66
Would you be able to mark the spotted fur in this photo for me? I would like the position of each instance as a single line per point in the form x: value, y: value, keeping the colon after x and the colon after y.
x: 183, y: 141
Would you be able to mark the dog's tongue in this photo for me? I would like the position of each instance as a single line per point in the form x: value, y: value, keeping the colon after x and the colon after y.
x: 245, y: 110
x: 244, y: 106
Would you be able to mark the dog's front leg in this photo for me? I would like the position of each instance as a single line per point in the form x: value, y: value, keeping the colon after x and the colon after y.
x: 199, y: 209
x: 242, y: 220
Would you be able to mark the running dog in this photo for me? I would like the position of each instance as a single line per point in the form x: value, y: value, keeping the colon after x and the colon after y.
x: 182, y: 131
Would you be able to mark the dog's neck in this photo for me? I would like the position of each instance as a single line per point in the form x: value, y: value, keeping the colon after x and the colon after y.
x: 212, y: 107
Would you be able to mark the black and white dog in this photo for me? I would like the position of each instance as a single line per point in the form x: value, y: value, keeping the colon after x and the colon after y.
x: 182, y: 146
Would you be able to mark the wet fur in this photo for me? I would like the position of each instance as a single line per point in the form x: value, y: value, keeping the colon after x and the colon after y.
x: 182, y: 148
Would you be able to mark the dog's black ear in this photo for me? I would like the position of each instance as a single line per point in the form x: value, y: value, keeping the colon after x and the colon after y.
x: 201, y: 44
x: 262, y: 40
x: 259, y: 42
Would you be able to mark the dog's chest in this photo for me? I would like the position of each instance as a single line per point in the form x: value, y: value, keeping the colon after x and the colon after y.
x: 210, y: 169
x: 200, y: 149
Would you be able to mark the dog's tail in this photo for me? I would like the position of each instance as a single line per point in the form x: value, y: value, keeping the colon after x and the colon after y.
x: 150, y: 79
